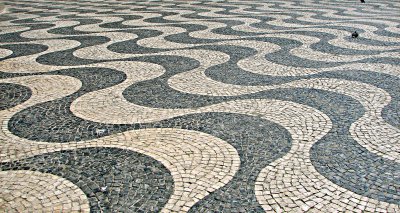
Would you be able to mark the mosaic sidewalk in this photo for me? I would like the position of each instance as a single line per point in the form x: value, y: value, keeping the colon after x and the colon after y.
x: 200, y: 106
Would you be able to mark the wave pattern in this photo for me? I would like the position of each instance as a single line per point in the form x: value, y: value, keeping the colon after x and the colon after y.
x: 200, y: 106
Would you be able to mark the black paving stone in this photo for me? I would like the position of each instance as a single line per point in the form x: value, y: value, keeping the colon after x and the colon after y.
x: 134, y: 182
x: 12, y: 95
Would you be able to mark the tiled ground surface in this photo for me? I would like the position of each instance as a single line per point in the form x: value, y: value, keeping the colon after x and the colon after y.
x: 200, y: 106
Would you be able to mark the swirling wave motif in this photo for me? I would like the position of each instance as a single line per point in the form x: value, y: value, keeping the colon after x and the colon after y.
x: 196, y: 106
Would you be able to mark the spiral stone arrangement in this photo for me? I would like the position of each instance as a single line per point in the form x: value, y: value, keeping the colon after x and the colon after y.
x: 199, y: 106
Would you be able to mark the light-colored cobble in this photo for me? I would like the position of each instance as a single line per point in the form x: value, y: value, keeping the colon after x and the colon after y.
x: 199, y: 106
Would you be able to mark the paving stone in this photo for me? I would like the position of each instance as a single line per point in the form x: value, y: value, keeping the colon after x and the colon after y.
x: 199, y: 106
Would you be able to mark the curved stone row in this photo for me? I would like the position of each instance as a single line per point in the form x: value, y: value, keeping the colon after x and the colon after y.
x: 197, y: 167
x: 24, y: 190
x: 213, y: 67
x: 12, y: 95
x: 129, y: 83
x: 317, y: 83
x: 108, y: 179
x: 253, y: 104
x: 385, y: 136
x: 61, y: 24
x: 387, y: 149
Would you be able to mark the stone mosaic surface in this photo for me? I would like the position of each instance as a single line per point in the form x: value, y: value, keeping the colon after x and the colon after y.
x: 200, y: 106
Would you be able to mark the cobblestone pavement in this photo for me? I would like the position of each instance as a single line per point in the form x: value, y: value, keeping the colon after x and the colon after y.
x: 199, y: 106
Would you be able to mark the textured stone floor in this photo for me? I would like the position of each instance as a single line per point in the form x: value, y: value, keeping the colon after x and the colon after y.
x: 200, y: 106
